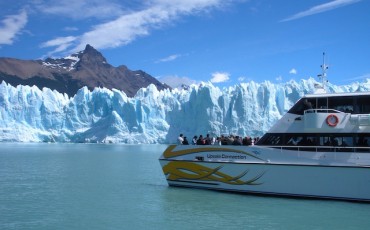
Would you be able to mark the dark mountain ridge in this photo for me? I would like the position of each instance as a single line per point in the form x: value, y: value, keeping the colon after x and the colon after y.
x: 67, y: 75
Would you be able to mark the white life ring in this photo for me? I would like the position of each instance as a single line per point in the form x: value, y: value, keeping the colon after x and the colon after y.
x: 332, y: 120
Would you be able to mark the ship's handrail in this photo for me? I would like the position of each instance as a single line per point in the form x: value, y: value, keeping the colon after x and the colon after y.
x: 325, y: 148
x: 322, y: 111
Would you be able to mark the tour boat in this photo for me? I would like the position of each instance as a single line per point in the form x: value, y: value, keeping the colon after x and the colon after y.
x: 318, y: 149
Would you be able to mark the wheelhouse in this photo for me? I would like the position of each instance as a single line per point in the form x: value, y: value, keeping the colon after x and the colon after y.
x: 354, y: 105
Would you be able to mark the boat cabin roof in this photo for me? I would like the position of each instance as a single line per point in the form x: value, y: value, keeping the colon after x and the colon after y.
x: 336, y: 94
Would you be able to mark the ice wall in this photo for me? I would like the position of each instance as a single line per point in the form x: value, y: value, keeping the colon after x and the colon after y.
x: 28, y: 114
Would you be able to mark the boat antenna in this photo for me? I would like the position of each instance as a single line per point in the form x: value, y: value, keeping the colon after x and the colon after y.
x: 322, y: 76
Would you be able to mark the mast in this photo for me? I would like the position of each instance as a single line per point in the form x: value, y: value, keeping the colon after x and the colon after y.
x: 322, y: 76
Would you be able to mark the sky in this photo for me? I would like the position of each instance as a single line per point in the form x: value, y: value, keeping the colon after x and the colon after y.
x: 225, y: 42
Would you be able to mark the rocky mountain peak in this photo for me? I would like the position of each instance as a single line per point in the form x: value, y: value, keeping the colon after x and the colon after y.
x: 91, y: 56
x: 67, y: 75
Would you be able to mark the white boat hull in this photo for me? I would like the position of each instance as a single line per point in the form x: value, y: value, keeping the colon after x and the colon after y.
x: 246, y: 172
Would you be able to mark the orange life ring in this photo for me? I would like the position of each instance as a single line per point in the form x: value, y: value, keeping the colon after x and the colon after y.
x: 332, y: 120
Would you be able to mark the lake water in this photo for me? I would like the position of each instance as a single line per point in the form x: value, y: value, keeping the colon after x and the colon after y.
x: 96, y: 186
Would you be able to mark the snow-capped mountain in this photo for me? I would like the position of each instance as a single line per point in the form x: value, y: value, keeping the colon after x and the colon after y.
x: 67, y: 75
x: 28, y: 114
x: 67, y: 63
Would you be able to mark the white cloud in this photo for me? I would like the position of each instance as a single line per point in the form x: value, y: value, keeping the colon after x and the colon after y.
x: 321, y: 8
x: 293, y: 71
x: 169, y: 58
x: 219, y: 77
x: 81, y: 9
x: 11, y: 26
x: 176, y: 81
x: 134, y: 24
x: 279, y: 78
x: 62, y: 43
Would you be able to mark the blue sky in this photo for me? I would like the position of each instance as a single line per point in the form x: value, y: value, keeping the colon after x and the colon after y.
x: 222, y: 41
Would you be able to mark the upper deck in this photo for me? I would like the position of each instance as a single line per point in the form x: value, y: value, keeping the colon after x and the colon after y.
x: 341, y: 119
x: 354, y: 103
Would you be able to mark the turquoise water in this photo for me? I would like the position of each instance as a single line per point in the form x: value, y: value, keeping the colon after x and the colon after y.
x: 93, y: 186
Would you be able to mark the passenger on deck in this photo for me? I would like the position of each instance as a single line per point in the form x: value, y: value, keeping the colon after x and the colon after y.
x: 218, y: 141
x: 185, y: 142
x: 237, y: 141
x: 180, y: 139
x: 223, y: 140
x: 230, y: 140
x: 213, y: 140
x: 207, y: 140
x: 200, y: 140
x: 194, y: 140
x: 247, y: 141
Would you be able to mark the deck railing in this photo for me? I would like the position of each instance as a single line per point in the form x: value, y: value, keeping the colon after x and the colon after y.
x: 322, y: 111
x: 321, y: 148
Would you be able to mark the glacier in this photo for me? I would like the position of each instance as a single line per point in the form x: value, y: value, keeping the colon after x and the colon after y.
x: 30, y: 114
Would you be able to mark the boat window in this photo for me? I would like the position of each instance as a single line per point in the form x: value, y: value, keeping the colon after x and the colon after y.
x: 308, y: 141
x: 343, y: 104
x: 322, y: 142
x: 363, y: 105
x: 362, y: 140
x: 322, y: 103
x: 346, y: 141
x: 335, y: 140
x: 293, y: 139
x: 346, y: 104
x: 302, y: 105
x: 271, y: 139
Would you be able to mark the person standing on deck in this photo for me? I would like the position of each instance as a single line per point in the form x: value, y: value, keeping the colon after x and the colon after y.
x: 180, y: 139
x: 194, y: 140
